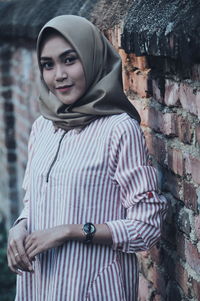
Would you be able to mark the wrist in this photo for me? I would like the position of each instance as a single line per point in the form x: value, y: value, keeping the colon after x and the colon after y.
x: 72, y: 232
x: 22, y: 223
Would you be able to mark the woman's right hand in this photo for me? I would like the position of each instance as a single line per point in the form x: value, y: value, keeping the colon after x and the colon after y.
x: 18, y: 260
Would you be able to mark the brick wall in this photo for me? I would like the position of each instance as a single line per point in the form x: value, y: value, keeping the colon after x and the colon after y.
x: 167, y: 97
x: 18, y: 109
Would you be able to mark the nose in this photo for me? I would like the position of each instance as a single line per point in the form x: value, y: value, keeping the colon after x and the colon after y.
x: 60, y: 73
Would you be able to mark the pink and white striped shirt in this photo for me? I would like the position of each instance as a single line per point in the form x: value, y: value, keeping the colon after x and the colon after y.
x: 98, y: 175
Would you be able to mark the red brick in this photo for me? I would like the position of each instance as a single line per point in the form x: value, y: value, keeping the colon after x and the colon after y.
x: 144, y: 288
x: 190, y: 99
x: 138, y: 82
x: 197, y: 226
x: 169, y: 122
x: 125, y: 80
x: 158, y: 89
x: 159, y: 122
x: 152, y: 118
x: 159, y: 149
x: 123, y: 56
x: 192, y: 166
x: 197, y: 132
x: 183, y: 129
x: 196, y: 288
x: 156, y: 255
x: 184, y: 222
x: 175, y: 161
x: 181, y: 277
x: 113, y: 36
x: 192, y: 256
x: 143, y: 110
x: 190, y: 196
x: 157, y: 276
x: 171, y: 93
x: 139, y: 62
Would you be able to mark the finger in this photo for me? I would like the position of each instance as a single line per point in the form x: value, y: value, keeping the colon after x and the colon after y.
x: 32, y: 252
x: 15, y: 257
x: 28, y: 244
x: 11, y: 267
x: 24, y: 260
x: 12, y: 264
x: 12, y: 251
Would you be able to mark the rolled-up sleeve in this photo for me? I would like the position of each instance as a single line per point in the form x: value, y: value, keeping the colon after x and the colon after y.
x: 145, y: 207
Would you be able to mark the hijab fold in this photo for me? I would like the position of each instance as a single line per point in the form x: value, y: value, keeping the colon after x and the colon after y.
x: 102, y: 67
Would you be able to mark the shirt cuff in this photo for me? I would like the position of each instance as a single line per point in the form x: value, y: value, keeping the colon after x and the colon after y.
x: 120, y: 235
x: 23, y: 215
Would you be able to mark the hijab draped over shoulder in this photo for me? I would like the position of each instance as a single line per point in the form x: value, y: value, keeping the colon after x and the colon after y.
x: 102, y: 67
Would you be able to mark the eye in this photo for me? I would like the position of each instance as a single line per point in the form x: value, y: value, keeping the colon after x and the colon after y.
x: 46, y: 65
x: 70, y: 60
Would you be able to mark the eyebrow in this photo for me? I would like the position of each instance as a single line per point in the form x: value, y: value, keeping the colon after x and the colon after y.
x: 44, y: 58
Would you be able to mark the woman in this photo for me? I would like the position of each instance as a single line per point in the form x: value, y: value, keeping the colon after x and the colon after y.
x: 91, y: 198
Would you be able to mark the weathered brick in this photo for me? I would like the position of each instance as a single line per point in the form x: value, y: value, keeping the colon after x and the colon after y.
x: 123, y: 56
x: 184, y: 222
x: 192, y: 256
x: 184, y: 130
x: 159, y: 150
x: 190, y: 196
x: 139, y: 62
x: 158, y: 278
x: 176, y: 161
x: 138, y: 82
x: 156, y: 254
x: 152, y: 118
x: 190, y: 98
x: 192, y: 166
x: 197, y: 226
x: 181, y: 277
x: 197, y: 132
x: 158, y: 89
x: 144, y: 287
x: 171, y: 97
x: 196, y: 288
x: 169, y: 124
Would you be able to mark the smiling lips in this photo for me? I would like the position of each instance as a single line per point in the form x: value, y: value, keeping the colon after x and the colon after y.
x: 64, y: 88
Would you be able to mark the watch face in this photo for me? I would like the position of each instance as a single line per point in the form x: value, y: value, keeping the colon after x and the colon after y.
x: 89, y: 228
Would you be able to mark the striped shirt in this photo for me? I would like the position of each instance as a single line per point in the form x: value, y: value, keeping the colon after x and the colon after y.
x: 99, y: 175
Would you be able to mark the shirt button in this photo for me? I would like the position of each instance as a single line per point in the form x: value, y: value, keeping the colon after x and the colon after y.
x: 150, y: 195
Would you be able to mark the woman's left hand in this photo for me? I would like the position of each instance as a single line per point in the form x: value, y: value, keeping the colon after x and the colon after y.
x: 41, y: 241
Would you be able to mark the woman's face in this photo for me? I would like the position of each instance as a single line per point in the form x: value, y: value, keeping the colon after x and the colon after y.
x: 62, y: 69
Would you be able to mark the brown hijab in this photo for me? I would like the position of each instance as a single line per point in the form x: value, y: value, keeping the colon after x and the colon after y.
x: 102, y: 67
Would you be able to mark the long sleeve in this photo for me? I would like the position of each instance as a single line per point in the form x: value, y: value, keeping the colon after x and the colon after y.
x: 145, y: 208
x: 25, y: 184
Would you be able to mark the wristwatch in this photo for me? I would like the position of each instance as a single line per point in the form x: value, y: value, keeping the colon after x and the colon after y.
x: 89, y: 231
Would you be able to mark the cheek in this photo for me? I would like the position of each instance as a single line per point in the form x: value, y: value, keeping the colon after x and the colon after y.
x: 47, y: 79
x: 82, y: 81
